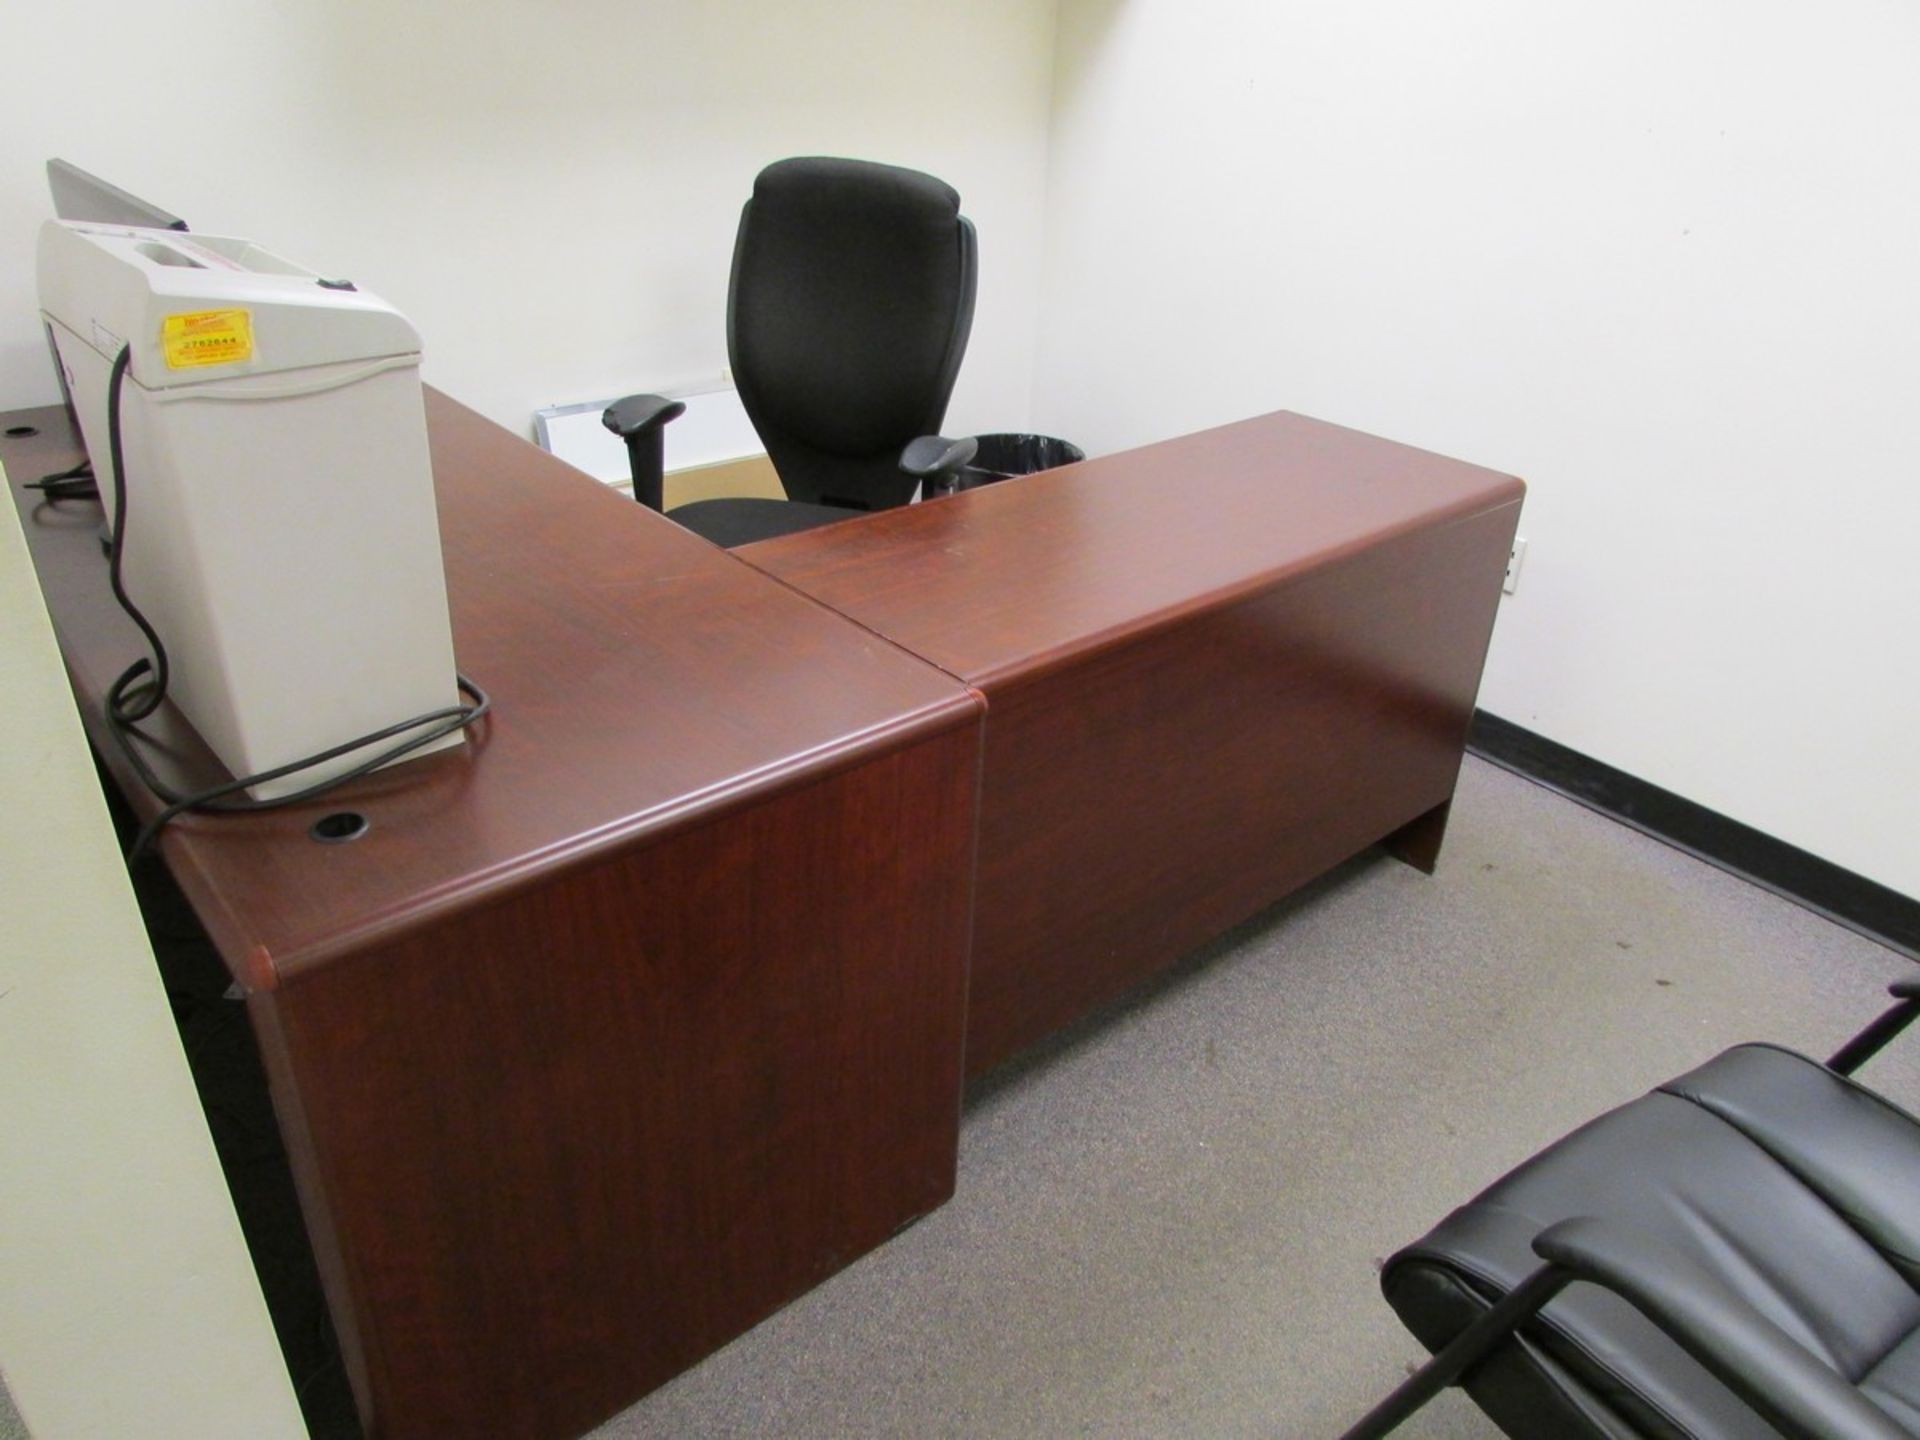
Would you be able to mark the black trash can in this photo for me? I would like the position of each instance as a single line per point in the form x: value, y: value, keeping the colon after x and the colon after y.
x: 1001, y: 457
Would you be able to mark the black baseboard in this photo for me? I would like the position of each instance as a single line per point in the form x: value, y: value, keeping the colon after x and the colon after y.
x: 1853, y: 900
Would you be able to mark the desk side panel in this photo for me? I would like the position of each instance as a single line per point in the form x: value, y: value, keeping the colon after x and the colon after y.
x: 1141, y: 800
x: 559, y: 1148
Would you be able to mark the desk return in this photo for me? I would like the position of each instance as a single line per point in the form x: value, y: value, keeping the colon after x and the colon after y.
x: 1214, y: 669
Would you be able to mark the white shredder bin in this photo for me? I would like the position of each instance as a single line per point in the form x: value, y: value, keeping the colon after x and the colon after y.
x: 280, y: 529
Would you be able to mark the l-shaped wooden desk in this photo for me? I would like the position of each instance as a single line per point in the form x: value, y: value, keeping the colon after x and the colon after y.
x: 649, y: 1008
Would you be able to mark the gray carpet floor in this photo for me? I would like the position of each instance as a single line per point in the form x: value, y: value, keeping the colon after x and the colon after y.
x: 1169, y: 1219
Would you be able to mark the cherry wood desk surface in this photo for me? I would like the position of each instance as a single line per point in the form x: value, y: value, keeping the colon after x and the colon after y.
x: 1215, y: 668
x: 629, y: 1022
x: 998, y: 582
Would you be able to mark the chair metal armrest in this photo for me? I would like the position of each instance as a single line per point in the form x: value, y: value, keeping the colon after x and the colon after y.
x: 1752, y: 1356
x: 1878, y: 1035
x: 641, y: 421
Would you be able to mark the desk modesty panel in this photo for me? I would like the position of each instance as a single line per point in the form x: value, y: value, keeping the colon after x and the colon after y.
x: 1215, y: 668
x: 630, y: 1019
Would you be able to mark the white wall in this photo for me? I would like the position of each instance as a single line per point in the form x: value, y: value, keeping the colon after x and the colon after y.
x: 549, y: 192
x: 128, y: 1305
x: 1659, y: 257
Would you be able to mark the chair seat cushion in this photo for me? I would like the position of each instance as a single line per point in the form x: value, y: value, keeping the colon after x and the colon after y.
x: 742, y: 521
x: 1793, y: 1186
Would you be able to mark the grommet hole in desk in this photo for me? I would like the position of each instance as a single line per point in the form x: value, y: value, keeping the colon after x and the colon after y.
x: 340, y: 827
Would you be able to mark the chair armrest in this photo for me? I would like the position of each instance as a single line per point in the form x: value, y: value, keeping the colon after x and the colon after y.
x: 635, y: 414
x: 641, y: 421
x: 1884, y: 1029
x: 1751, y: 1355
x: 936, y: 460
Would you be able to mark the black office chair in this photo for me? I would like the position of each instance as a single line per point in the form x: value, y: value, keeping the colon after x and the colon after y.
x: 1733, y: 1256
x: 847, y: 316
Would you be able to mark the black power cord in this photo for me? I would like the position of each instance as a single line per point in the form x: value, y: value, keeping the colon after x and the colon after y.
x: 215, y: 799
x: 74, y: 484
x: 122, y: 707
x: 131, y: 700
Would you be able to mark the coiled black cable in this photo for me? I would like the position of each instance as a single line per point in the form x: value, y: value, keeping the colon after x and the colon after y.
x: 76, y: 483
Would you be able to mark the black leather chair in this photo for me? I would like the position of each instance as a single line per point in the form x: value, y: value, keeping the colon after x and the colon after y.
x: 847, y: 317
x: 1735, y: 1255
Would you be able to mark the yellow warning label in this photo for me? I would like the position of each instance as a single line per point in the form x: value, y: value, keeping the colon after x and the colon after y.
x: 207, y: 337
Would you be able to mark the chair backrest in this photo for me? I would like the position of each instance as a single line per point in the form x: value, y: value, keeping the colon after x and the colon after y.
x: 847, y: 316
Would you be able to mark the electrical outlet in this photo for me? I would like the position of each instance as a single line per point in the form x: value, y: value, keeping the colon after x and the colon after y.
x: 1514, y: 557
